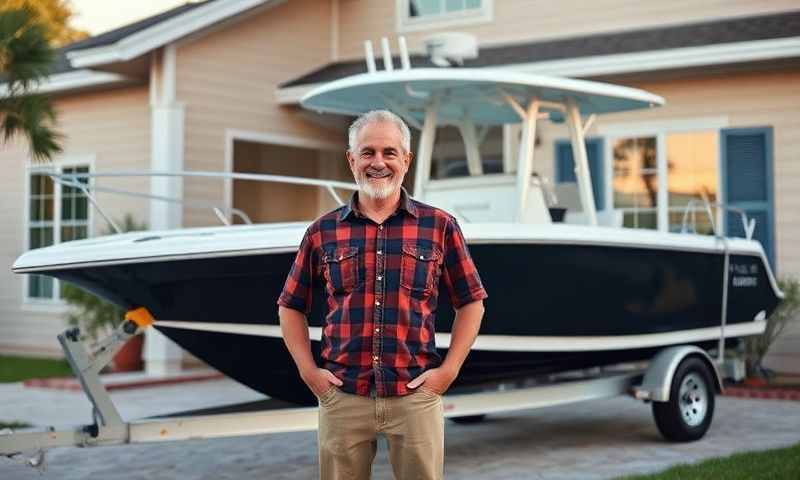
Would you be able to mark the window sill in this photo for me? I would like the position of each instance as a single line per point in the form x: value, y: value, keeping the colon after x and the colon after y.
x: 44, y: 306
x: 405, y: 24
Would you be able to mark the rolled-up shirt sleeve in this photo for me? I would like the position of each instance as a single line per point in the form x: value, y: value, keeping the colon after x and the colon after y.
x: 297, y: 291
x: 459, y: 273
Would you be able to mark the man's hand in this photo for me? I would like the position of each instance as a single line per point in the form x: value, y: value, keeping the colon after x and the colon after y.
x: 436, y: 380
x: 319, y: 380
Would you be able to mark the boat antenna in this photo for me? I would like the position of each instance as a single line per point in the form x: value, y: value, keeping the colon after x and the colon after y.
x: 370, y: 56
x: 387, y: 55
x: 388, y: 64
x: 405, y: 61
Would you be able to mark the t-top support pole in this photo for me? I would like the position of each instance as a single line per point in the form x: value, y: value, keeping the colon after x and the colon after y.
x: 470, y: 137
x: 582, y: 173
x: 425, y: 149
x: 525, y: 164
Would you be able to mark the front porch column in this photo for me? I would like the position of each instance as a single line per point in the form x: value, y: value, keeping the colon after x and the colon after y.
x: 161, y: 355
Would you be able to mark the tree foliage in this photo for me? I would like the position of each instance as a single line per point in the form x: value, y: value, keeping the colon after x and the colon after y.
x: 55, y: 15
x: 25, y: 60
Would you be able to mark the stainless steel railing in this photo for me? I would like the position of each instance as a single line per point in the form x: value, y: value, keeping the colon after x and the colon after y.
x: 76, y: 180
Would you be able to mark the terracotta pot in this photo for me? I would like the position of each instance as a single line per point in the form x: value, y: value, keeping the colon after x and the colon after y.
x: 756, y: 382
x: 129, y: 357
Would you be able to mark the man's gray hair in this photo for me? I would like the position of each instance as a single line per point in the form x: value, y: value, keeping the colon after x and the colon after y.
x: 375, y: 116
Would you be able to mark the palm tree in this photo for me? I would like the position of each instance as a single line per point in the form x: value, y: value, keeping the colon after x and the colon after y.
x: 25, y: 59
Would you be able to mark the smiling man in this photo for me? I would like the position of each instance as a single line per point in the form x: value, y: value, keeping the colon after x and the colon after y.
x: 381, y: 259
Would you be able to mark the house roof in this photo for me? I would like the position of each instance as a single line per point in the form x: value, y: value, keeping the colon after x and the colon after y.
x: 719, y: 32
x: 113, y: 36
x: 73, y: 62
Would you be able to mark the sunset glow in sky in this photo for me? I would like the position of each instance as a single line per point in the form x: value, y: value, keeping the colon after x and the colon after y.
x: 98, y: 16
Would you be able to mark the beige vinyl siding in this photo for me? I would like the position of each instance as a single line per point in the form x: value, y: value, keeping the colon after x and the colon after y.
x: 227, y: 80
x: 111, y: 127
x: 531, y: 20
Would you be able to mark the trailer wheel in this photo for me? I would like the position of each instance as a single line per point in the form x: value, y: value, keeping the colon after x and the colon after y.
x: 688, y: 413
x: 468, y: 419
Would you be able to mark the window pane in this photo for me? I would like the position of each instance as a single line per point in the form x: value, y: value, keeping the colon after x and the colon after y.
x: 419, y: 8
x: 47, y: 184
x: 450, y: 158
x: 454, y: 5
x: 473, y: 4
x: 692, y: 160
x: 81, y: 208
x: 48, y: 208
x: 67, y: 234
x: 66, y: 207
x: 35, y: 237
x: 697, y: 220
x: 640, y: 219
x: 35, y: 212
x: 635, y: 174
x: 40, y: 286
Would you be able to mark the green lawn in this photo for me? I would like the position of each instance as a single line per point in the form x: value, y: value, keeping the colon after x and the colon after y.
x: 13, y: 425
x: 17, y: 369
x: 782, y: 463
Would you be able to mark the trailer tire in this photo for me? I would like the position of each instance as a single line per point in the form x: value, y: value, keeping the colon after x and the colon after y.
x: 687, y: 415
x: 468, y: 419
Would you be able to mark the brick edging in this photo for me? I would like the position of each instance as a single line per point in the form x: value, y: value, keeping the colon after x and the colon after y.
x: 72, y: 384
x: 764, y: 393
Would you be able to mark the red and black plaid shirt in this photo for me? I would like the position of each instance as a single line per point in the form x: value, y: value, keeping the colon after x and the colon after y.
x: 382, y: 284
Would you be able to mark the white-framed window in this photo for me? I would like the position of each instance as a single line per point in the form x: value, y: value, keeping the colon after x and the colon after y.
x: 660, y: 175
x: 55, y: 213
x: 423, y: 14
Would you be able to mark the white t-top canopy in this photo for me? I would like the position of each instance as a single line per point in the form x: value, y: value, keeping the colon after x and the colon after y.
x: 480, y: 94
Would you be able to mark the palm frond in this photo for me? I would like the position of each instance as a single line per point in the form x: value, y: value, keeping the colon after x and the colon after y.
x: 25, y: 54
x: 34, y: 117
x: 25, y: 60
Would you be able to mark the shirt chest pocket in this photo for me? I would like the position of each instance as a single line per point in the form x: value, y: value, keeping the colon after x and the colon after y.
x: 340, y: 268
x: 419, y: 270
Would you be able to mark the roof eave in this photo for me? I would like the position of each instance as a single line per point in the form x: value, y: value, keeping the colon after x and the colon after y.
x: 75, y: 80
x: 163, y: 33
x: 648, y: 61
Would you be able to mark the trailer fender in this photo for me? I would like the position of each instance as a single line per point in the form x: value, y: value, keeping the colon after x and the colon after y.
x: 658, y: 377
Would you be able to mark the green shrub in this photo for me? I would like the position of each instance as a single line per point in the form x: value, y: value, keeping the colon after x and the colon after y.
x: 93, y: 315
x: 756, y: 347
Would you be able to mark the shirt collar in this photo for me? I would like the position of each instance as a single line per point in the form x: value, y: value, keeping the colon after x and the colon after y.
x: 351, y: 207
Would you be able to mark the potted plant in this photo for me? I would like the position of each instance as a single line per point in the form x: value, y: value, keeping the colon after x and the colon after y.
x: 95, y: 316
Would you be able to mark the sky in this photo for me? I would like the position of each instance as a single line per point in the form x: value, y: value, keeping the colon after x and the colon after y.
x: 98, y: 16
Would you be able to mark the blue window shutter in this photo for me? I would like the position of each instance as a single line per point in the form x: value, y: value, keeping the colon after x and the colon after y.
x: 747, y: 183
x: 565, y: 167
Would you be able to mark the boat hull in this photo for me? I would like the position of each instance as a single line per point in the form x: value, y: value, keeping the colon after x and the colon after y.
x: 551, y: 307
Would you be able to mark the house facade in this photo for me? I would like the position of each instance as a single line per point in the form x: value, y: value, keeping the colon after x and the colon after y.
x: 215, y: 86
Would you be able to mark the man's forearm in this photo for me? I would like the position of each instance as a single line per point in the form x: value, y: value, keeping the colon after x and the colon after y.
x: 465, y: 328
x: 294, y: 328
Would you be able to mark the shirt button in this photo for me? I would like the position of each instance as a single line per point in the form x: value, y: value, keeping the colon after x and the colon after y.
x: 380, y: 227
x: 377, y: 330
x: 380, y: 252
x: 380, y: 278
x: 375, y: 358
x: 377, y: 302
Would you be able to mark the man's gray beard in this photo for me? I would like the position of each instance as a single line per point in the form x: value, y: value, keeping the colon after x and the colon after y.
x: 377, y: 193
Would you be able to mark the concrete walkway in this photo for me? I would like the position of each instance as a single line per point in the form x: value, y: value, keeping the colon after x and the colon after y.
x: 599, y: 439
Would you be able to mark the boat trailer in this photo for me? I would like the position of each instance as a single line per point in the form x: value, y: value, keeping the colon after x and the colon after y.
x: 657, y: 383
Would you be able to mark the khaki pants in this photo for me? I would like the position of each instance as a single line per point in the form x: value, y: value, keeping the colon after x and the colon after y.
x: 349, y: 425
